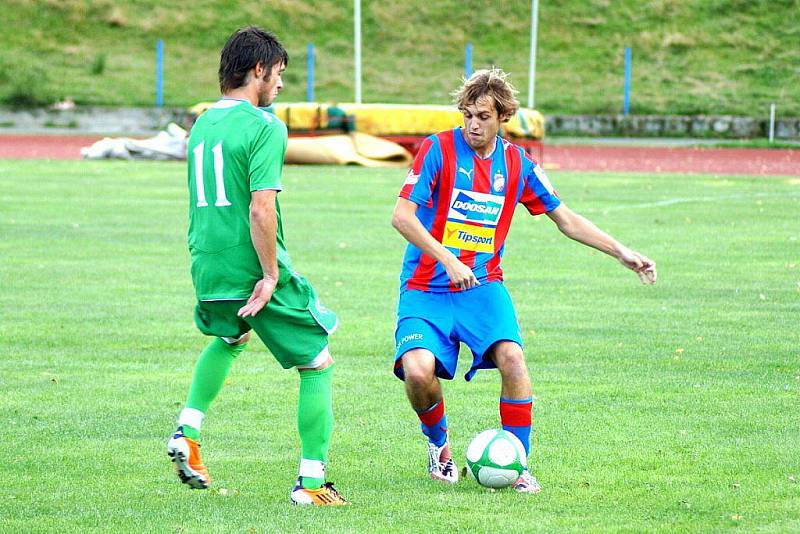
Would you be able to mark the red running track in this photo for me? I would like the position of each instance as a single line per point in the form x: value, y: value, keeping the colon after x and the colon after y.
x: 747, y: 161
x: 43, y: 146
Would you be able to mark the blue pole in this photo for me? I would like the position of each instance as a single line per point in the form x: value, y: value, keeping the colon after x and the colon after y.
x: 160, y: 73
x: 627, y: 101
x: 468, y: 60
x: 310, y: 69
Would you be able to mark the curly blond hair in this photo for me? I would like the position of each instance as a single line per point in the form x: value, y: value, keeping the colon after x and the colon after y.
x: 488, y: 82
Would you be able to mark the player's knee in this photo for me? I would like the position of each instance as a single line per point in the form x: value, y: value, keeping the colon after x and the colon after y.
x: 323, y: 360
x: 416, y: 378
x: 324, y: 365
x: 510, y: 359
x: 237, y: 341
x: 418, y: 368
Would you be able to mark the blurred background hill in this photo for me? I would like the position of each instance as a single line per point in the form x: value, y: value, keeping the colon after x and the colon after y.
x: 689, y: 56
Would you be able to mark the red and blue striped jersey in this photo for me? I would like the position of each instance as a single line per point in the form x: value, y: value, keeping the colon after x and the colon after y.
x: 467, y: 203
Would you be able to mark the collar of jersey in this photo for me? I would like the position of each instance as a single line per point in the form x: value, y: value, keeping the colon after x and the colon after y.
x: 227, y: 102
x: 460, y: 134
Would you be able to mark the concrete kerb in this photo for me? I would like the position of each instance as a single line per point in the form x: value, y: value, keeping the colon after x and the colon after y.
x: 90, y: 120
x: 702, y: 126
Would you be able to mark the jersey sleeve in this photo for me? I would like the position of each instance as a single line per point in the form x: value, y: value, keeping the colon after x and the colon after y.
x: 423, y: 174
x: 266, y: 156
x: 538, y: 195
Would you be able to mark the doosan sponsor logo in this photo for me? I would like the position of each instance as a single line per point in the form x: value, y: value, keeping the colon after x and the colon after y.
x: 475, y: 207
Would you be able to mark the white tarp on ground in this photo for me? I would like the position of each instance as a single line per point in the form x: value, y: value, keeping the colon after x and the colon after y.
x: 352, y: 149
x: 166, y: 145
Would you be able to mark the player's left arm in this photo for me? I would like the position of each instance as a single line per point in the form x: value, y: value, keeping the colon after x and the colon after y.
x: 581, y: 229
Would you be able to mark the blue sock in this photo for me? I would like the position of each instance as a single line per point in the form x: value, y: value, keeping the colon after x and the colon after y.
x: 516, y: 417
x: 433, y: 423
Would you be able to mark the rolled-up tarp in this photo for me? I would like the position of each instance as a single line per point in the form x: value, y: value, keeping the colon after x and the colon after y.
x: 347, y: 149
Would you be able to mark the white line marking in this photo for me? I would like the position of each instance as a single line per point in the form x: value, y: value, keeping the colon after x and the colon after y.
x: 671, y: 201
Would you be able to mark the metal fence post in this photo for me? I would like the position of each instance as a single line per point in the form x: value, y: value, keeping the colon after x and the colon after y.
x: 159, y: 73
x: 626, y: 106
x: 310, y: 69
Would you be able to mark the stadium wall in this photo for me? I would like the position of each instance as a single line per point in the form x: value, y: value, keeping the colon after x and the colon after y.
x: 94, y: 120
x: 147, y: 121
x: 703, y: 126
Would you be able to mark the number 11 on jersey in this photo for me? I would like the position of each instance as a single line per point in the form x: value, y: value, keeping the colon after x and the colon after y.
x: 199, y: 151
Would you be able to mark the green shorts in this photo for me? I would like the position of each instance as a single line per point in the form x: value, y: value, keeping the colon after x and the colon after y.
x: 294, y: 325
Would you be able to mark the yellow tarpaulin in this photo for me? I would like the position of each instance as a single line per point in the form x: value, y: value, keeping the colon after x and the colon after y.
x: 350, y: 149
x: 393, y: 119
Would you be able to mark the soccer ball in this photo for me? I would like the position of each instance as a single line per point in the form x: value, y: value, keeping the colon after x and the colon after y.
x: 496, y: 458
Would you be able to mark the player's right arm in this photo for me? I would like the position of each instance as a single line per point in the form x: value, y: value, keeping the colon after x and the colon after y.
x: 265, y: 168
x: 405, y: 221
x: 417, y: 190
x: 263, y: 233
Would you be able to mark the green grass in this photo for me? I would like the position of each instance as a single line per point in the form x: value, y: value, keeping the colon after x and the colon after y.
x: 690, y: 57
x: 666, y: 408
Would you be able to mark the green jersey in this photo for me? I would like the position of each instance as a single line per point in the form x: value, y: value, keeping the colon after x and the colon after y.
x: 234, y: 149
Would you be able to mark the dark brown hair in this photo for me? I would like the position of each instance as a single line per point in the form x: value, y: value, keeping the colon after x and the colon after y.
x: 244, y: 50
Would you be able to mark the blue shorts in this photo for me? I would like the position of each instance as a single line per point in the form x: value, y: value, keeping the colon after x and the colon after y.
x: 478, y: 317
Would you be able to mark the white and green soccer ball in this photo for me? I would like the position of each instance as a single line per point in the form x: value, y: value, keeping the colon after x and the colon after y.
x: 496, y: 458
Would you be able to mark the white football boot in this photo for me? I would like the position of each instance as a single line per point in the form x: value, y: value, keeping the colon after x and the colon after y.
x: 440, y: 463
x: 527, y: 483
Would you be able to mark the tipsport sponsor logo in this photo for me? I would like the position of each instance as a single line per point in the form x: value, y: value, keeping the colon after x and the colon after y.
x: 469, y: 237
x: 475, y: 207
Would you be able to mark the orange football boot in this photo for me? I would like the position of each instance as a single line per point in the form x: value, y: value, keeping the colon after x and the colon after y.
x: 326, y: 495
x: 185, y: 455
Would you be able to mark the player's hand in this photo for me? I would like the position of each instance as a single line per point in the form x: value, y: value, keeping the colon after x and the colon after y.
x: 261, y: 296
x: 460, y: 275
x: 640, y: 264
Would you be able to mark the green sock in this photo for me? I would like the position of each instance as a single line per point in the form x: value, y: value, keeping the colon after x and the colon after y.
x: 210, y: 373
x: 315, y: 419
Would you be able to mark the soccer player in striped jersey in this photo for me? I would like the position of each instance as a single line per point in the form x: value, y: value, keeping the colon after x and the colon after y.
x: 455, y: 210
x: 242, y: 274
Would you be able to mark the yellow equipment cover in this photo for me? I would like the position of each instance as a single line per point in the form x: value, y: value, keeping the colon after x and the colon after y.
x: 347, y: 149
x: 391, y: 119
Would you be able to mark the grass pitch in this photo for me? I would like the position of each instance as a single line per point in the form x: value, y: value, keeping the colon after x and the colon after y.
x: 665, y: 408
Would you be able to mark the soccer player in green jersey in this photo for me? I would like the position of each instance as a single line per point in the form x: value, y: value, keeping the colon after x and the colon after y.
x: 240, y: 268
